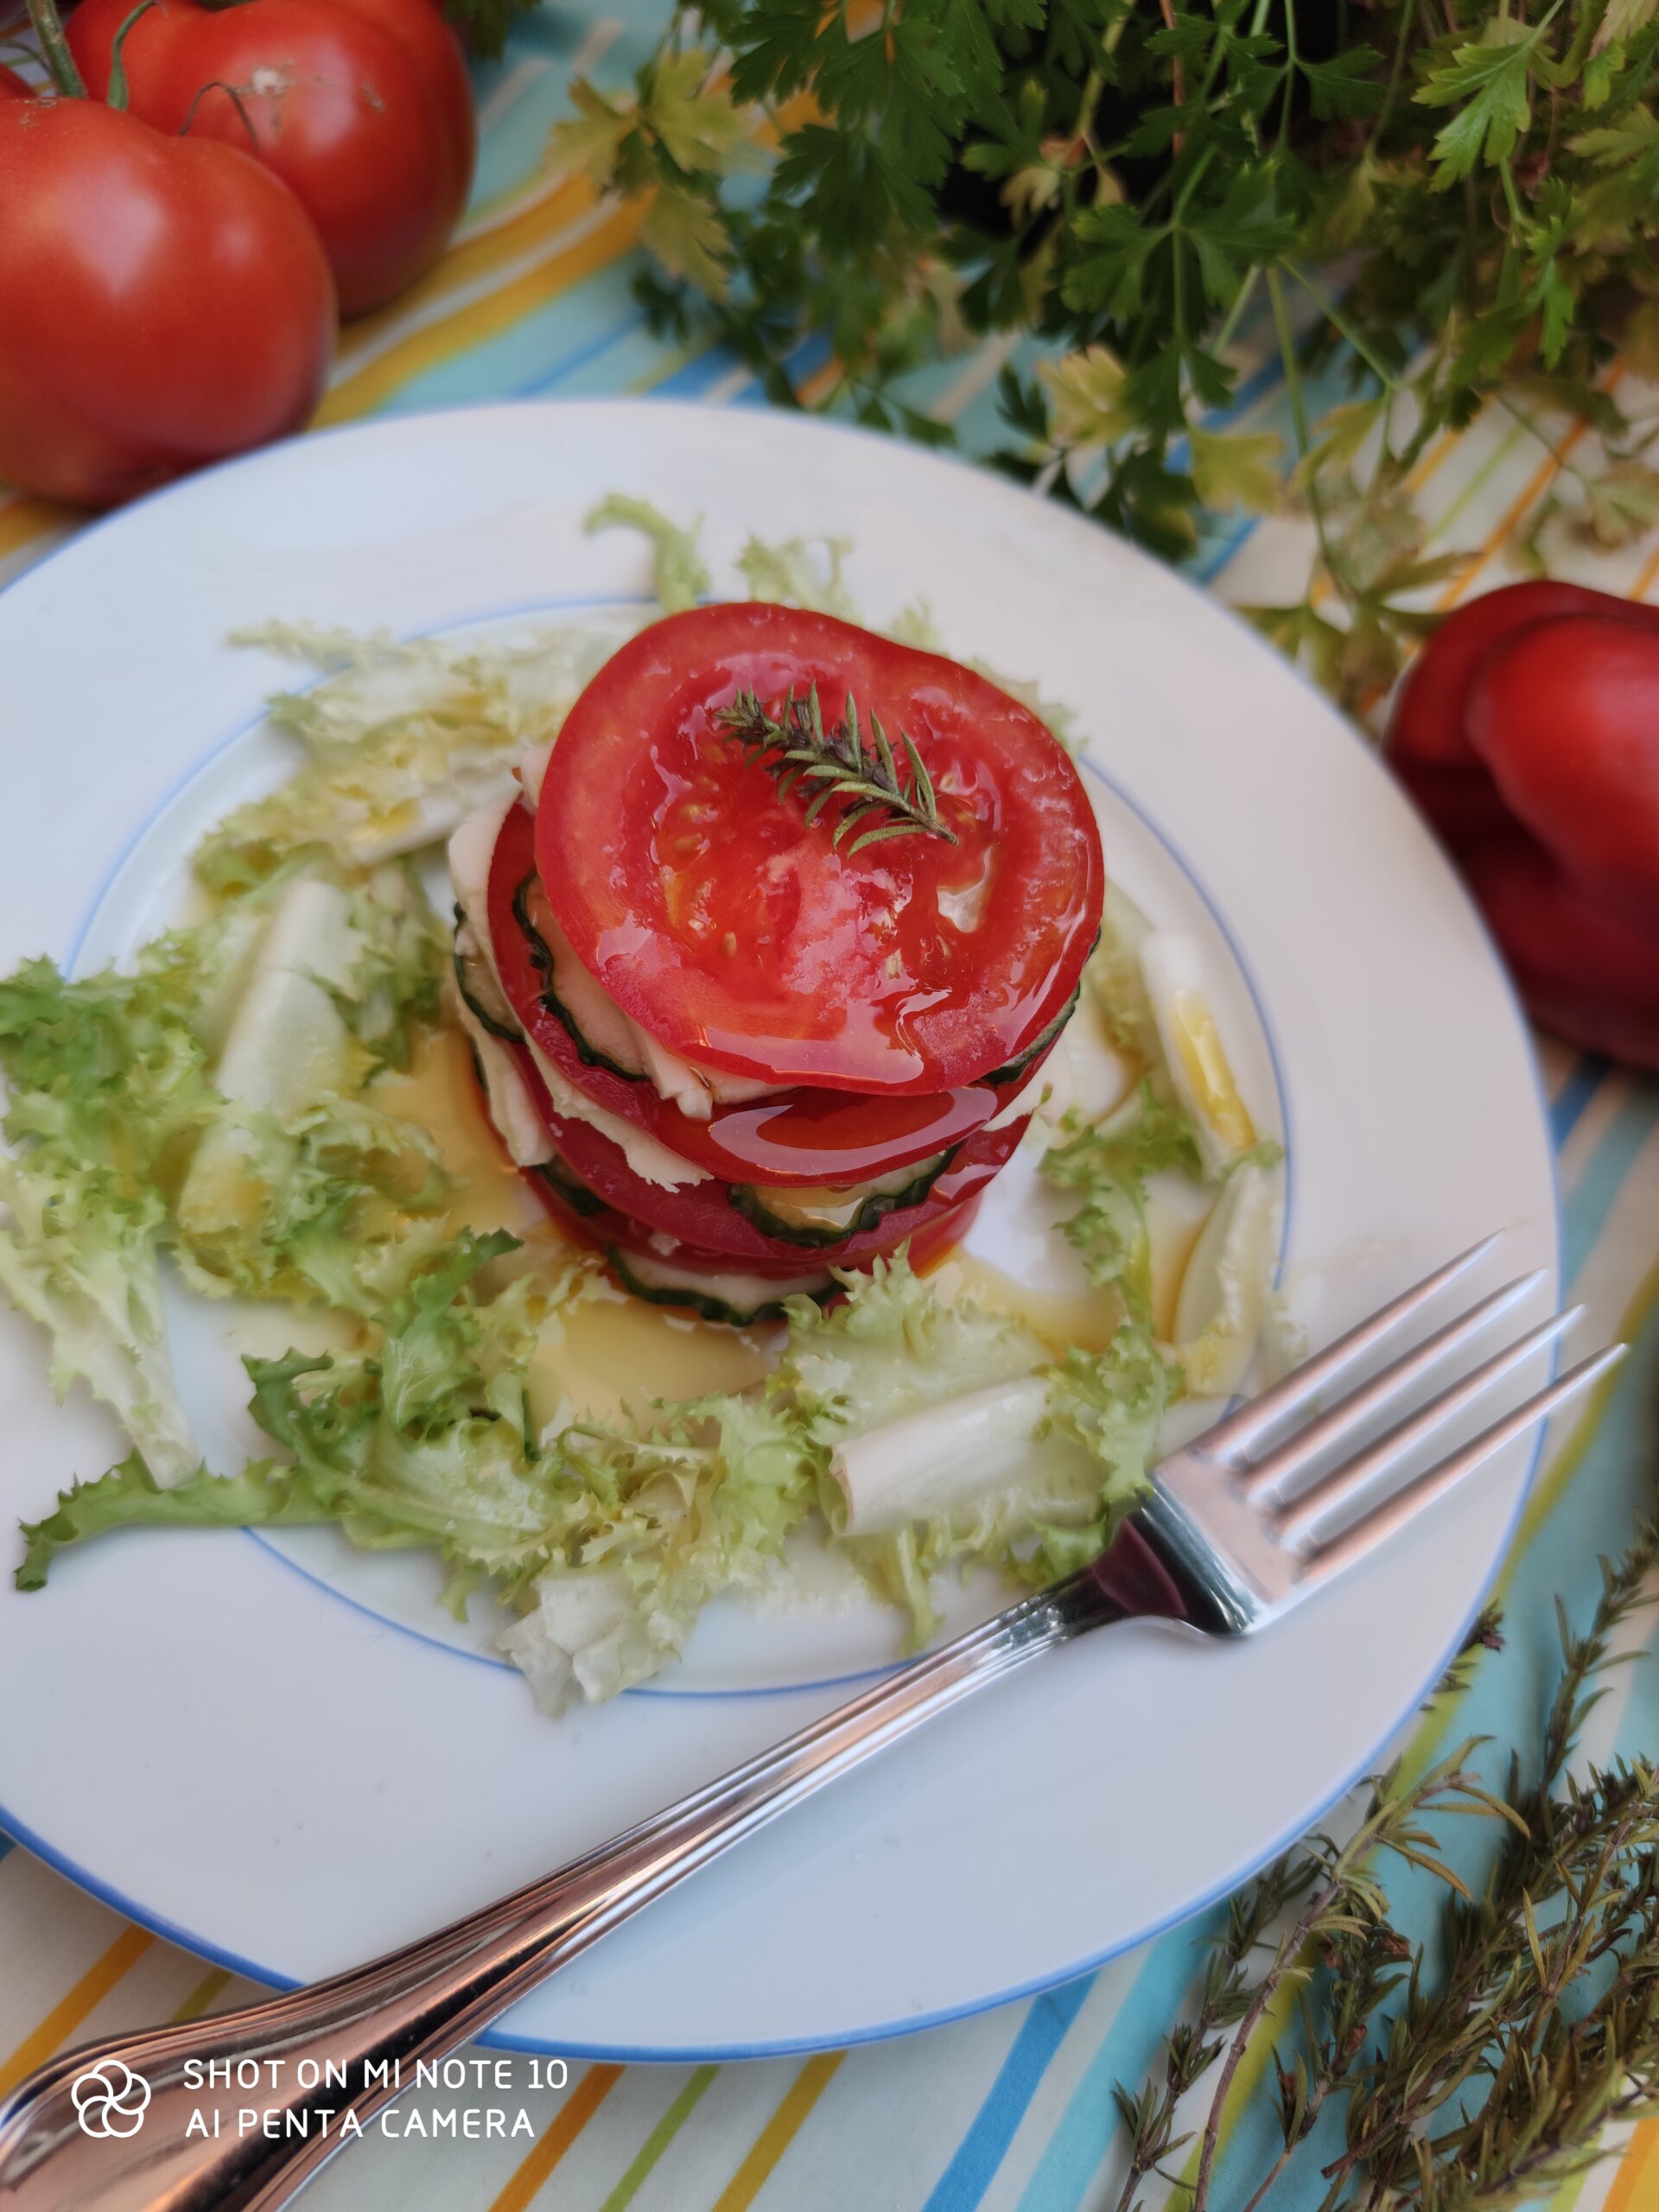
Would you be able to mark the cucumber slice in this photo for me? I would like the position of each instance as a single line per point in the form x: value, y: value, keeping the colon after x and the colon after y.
x: 1040, y: 1043
x: 636, y: 1275
x: 891, y: 1195
x: 476, y: 982
x: 577, y: 1195
x: 554, y: 992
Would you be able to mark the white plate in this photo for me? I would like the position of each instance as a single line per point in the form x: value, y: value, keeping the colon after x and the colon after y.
x: 286, y: 1758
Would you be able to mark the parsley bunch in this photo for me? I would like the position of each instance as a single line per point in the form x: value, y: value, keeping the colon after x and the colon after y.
x: 1462, y: 196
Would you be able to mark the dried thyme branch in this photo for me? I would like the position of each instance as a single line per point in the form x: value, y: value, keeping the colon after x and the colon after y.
x: 1191, y: 2050
x: 1478, y: 2085
x: 796, y: 750
x: 1349, y: 1908
x: 1230, y: 1994
x: 1572, y: 1905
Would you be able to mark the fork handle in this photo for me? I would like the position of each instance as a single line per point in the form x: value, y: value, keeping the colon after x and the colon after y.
x: 372, y: 2024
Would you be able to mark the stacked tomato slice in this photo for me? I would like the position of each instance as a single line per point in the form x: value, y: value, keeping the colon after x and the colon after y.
x: 754, y: 1051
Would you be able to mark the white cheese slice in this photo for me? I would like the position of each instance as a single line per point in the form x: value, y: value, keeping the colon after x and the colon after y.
x: 470, y: 850
x: 1025, y: 1101
x: 744, y: 1293
x: 649, y: 1159
x: 512, y: 1108
x: 823, y: 1206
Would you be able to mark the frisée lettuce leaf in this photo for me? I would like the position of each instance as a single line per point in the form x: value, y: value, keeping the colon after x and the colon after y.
x: 607, y: 1540
x: 126, y: 1145
x: 401, y: 740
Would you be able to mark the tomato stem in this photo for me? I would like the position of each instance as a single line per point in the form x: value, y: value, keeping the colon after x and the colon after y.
x: 118, y: 91
x: 54, y: 44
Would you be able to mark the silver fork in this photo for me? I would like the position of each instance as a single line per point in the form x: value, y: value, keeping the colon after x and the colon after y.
x: 1237, y: 1530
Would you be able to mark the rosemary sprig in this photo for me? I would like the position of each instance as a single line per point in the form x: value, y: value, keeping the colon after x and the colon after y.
x: 1480, y: 2074
x: 796, y: 750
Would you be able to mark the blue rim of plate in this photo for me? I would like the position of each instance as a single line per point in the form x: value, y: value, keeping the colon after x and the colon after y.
x: 1074, y: 1970
x: 598, y: 603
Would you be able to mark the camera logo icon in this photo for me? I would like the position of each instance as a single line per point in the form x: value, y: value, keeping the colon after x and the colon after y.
x: 110, y: 2098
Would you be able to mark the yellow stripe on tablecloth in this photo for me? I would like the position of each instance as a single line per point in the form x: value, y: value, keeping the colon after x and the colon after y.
x: 573, y: 2116
x: 611, y: 237
x: 551, y: 212
x: 210, y: 1986
x: 68, y: 2013
x: 779, y: 2133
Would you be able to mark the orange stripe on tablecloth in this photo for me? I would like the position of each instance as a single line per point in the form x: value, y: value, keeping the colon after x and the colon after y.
x: 1644, y: 583
x: 573, y: 2116
x: 779, y: 2133
x: 1629, y: 2191
x: 66, y: 2016
x: 483, y: 319
x: 1536, y: 486
x: 26, y: 519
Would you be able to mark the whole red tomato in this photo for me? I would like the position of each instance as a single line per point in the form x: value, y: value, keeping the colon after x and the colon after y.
x: 362, y: 107
x: 163, y: 302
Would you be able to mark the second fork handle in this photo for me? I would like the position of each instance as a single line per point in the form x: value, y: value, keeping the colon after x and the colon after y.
x: 425, y: 2000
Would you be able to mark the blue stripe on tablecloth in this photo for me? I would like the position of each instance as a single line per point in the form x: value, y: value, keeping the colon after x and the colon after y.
x: 1085, y: 2130
x: 5, y: 1845
x: 982, y: 2149
x: 694, y: 377
x: 580, y: 356
x: 1574, y: 1095
x: 1597, y: 1188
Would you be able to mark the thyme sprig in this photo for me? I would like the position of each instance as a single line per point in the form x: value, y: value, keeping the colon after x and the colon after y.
x: 836, y: 763
x: 1480, y: 2079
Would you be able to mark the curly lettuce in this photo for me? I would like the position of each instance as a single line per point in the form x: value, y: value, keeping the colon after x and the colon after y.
x: 402, y: 740
x: 186, y: 1108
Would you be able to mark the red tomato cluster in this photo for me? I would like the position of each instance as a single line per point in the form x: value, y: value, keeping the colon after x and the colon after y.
x: 1528, y: 732
x: 880, y: 1011
x: 177, y: 247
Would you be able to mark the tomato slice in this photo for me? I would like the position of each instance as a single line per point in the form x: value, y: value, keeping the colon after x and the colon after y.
x: 702, y: 1215
x: 797, y: 1136
x: 739, y: 935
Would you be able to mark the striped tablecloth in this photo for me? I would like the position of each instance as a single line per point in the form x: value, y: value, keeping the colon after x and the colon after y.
x: 1014, y: 2109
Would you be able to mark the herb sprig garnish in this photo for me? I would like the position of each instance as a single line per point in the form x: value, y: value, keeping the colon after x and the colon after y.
x: 1482, y: 2071
x: 836, y: 763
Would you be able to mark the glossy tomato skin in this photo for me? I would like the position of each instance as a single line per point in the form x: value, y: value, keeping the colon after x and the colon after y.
x: 361, y: 107
x: 1583, y: 972
x: 797, y: 1136
x: 1564, y: 715
x: 163, y: 303
x: 738, y: 934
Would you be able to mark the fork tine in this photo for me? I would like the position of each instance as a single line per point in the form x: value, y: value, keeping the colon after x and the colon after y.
x: 1291, y: 1523
x: 1239, y: 1431
x: 1277, y: 1474
x: 1386, y: 1519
